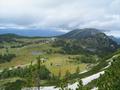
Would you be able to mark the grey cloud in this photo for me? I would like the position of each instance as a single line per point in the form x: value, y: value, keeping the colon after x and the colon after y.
x: 66, y: 14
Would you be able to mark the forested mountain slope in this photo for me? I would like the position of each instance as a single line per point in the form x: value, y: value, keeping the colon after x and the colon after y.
x: 111, y: 79
x: 88, y: 39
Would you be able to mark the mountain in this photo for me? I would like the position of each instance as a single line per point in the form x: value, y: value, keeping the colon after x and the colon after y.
x: 9, y: 38
x: 33, y: 32
x: 80, y: 33
x: 115, y: 39
x: 89, y: 39
x: 10, y: 35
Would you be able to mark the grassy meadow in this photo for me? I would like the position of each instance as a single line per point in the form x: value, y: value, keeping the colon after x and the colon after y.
x: 55, y: 61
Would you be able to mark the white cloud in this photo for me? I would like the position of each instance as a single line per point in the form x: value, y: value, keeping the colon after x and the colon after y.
x: 67, y: 14
x: 114, y: 33
x: 13, y: 26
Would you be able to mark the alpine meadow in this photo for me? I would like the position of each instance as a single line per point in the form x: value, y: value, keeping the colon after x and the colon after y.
x: 59, y: 45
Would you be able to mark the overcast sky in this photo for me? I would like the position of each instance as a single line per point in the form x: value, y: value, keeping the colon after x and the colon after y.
x: 61, y: 14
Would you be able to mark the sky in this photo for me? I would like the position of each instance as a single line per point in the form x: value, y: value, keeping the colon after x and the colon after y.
x: 61, y: 15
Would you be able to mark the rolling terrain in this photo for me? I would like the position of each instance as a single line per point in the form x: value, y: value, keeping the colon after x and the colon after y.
x: 63, y: 59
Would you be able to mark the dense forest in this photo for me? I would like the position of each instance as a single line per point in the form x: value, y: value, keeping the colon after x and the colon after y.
x: 71, y: 46
x: 27, y: 76
x: 111, y: 79
x: 6, y: 57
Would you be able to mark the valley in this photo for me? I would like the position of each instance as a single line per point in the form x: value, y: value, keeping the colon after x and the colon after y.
x: 72, y: 58
x: 28, y: 54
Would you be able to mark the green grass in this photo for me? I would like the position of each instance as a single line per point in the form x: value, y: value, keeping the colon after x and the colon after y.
x: 24, y: 55
x: 8, y: 80
x: 60, y: 61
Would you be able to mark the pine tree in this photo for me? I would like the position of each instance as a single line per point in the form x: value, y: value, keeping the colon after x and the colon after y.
x: 59, y: 74
x: 67, y: 75
x: 38, y: 71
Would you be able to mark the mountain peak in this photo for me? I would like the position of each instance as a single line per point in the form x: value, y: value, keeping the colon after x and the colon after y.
x: 81, y: 33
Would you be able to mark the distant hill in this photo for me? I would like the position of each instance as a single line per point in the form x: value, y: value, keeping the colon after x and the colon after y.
x: 89, y: 39
x: 10, y: 35
x: 16, y: 36
x: 9, y: 38
x: 33, y: 32
x: 115, y: 39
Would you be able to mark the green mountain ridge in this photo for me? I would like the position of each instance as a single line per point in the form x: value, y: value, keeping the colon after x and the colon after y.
x: 80, y: 33
x: 10, y: 35
x: 89, y: 39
